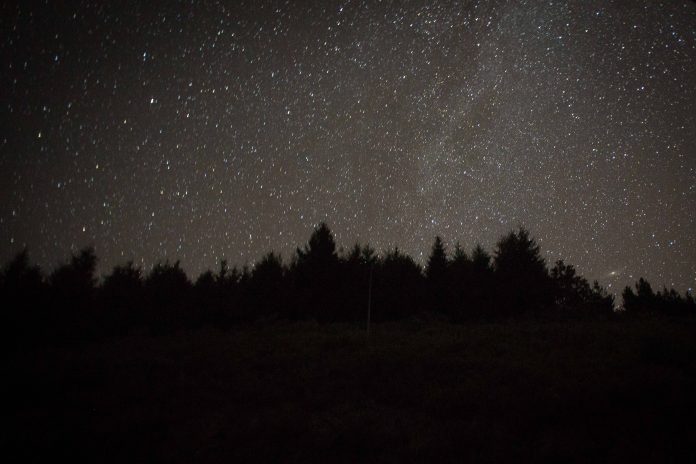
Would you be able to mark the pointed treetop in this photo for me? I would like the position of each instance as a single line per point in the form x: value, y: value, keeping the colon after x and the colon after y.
x: 459, y: 255
x: 517, y: 252
x: 321, y: 246
x: 480, y: 258
x: 437, y: 262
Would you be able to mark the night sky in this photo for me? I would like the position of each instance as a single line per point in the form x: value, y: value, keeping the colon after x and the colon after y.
x: 203, y: 130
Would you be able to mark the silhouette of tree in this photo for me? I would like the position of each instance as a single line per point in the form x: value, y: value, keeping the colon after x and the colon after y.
x: 320, y: 284
x: 645, y: 291
x: 168, y: 293
x: 72, y: 291
x: 353, y: 256
x: 436, y: 273
x: 480, y: 293
x: 165, y: 278
x: 601, y: 301
x: 18, y: 274
x: 669, y: 301
x: 666, y: 302
x: 368, y: 255
x: 122, y: 294
x: 266, y: 286
x: 237, y: 306
x: 518, y: 252
x: 629, y: 299
x: 22, y: 295
x: 460, y: 258
x: 354, y: 276
x: 225, y: 309
x: 74, y: 282
x: 437, y: 261
x: 640, y: 302
x: 19, y: 280
x: 207, y: 297
x: 521, y: 275
x: 572, y: 291
x: 315, y: 276
x: 689, y: 304
x: 320, y: 251
x: 205, y: 281
x: 459, y: 283
x: 359, y: 256
x: 481, y: 260
x: 269, y: 270
x: 397, y: 287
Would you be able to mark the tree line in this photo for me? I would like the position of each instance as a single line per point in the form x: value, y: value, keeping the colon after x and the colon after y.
x: 319, y: 283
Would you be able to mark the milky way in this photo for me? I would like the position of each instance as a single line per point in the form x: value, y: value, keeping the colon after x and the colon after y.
x: 203, y: 130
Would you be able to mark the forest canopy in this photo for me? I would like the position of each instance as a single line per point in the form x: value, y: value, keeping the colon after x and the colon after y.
x: 320, y: 282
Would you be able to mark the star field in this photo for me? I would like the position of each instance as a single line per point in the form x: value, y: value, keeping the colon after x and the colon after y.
x: 203, y: 130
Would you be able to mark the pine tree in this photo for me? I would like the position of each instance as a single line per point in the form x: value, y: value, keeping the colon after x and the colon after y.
x: 321, y: 249
x: 436, y: 273
x: 315, y: 276
x: 523, y: 283
x: 480, y: 260
x: 437, y: 262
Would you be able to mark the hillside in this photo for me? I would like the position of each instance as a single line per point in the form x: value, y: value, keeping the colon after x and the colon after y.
x: 571, y: 391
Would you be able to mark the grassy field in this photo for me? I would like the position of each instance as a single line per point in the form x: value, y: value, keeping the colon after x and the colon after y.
x: 573, y: 392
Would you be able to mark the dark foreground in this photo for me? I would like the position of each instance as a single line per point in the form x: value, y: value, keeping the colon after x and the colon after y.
x: 581, y: 391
